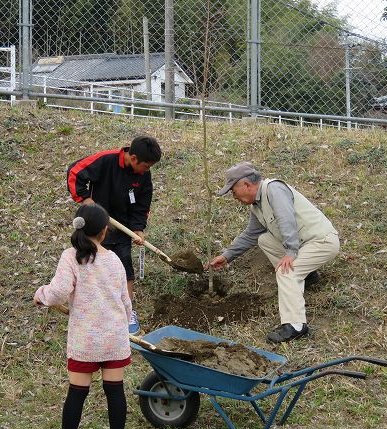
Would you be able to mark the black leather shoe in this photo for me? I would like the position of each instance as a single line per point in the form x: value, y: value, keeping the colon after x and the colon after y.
x: 312, y: 278
x: 286, y: 332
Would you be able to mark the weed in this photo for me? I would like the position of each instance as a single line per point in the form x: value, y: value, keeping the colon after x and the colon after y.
x: 65, y: 130
x: 374, y: 157
x: 346, y: 143
x: 290, y: 155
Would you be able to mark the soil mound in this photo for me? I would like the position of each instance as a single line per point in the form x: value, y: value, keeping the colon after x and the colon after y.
x: 200, y: 312
x: 231, y: 358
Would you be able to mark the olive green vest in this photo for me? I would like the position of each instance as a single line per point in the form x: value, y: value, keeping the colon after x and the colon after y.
x: 312, y: 223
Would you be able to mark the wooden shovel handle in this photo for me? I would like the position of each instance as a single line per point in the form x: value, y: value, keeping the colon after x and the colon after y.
x: 132, y: 234
x: 142, y: 343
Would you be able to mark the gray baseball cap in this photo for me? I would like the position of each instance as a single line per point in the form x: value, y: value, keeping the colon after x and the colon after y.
x: 235, y: 173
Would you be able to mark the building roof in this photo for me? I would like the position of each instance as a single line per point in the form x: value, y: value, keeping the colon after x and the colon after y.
x: 95, y: 68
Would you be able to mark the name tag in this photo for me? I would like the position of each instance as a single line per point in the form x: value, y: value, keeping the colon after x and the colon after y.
x: 132, y: 198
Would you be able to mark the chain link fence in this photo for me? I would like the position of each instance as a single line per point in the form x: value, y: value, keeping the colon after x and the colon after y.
x: 291, y: 56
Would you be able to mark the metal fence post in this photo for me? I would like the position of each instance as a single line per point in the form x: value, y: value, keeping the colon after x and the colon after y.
x: 253, y: 56
x: 347, y: 81
x: 148, y: 79
x: 110, y: 105
x: 13, y: 73
x: 26, y: 47
x: 91, y: 95
x: 132, y: 105
x: 45, y: 88
x: 169, y: 60
x: 259, y: 101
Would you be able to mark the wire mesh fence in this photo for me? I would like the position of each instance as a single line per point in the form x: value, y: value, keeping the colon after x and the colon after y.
x: 291, y: 56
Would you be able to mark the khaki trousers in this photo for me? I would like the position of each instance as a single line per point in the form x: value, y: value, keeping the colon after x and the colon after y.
x: 310, y: 257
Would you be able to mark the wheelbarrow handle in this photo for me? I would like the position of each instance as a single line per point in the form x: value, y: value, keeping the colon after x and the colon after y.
x: 132, y: 234
x: 376, y: 361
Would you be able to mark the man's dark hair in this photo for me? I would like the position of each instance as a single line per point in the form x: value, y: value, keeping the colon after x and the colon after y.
x: 147, y: 149
x: 253, y: 178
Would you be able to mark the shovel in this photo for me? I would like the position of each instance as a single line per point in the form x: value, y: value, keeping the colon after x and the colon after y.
x: 151, y: 347
x: 183, y: 261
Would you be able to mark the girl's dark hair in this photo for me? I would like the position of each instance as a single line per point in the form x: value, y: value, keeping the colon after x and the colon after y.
x: 95, y: 219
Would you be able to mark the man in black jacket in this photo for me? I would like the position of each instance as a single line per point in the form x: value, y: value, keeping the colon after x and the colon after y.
x: 120, y: 181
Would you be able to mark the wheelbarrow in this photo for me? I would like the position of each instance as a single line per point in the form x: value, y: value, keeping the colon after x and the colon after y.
x: 169, y: 395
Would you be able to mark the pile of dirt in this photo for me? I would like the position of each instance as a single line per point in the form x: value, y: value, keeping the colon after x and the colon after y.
x: 200, y: 312
x: 231, y: 358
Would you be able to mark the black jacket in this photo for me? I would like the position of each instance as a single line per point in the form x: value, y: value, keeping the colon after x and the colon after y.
x: 104, y: 177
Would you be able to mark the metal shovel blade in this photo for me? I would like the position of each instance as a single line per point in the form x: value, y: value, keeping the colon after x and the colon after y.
x: 183, y: 261
x: 151, y: 347
x: 186, y: 261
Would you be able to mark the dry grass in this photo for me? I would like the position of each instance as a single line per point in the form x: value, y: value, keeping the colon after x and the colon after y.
x: 343, y: 173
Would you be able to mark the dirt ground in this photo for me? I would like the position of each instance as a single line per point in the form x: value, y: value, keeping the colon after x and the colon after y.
x: 196, y: 309
x: 234, y: 359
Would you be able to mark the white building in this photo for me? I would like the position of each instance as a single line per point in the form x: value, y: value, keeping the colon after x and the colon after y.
x: 116, y: 74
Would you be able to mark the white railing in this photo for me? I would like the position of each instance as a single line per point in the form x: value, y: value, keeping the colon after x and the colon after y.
x: 122, y: 104
x: 9, y: 69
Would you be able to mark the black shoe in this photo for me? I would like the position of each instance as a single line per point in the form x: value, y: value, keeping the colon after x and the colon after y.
x: 286, y: 332
x: 312, y: 278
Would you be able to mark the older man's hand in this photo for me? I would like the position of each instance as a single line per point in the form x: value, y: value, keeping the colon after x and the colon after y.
x: 217, y: 263
x: 285, y: 264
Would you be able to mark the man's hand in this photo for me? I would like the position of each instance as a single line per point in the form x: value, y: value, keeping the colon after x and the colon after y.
x: 88, y: 201
x: 285, y: 264
x: 217, y: 263
x: 142, y: 238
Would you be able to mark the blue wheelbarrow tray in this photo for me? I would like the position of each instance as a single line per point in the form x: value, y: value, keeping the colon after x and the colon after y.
x: 193, y: 377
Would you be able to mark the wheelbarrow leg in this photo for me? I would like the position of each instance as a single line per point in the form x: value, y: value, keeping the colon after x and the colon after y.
x: 257, y: 409
x: 276, y: 408
x: 220, y: 411
x: 293, y: 402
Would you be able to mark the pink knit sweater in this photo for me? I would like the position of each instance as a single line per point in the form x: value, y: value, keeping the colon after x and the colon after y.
x: 99, y: 305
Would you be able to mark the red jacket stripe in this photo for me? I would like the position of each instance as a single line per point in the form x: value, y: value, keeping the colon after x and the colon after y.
x: 81, y: 165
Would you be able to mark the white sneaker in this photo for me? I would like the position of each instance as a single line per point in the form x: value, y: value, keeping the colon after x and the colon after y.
x: 134, y: 324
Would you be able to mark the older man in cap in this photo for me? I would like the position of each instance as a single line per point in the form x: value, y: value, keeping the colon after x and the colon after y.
x: 295, y: 235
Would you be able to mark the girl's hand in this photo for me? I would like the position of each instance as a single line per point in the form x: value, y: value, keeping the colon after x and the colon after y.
x: 37, y: 302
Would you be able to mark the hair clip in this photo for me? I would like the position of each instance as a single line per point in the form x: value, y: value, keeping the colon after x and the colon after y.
x: 78, y: 222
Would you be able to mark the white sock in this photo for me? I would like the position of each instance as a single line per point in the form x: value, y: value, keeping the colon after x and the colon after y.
x: 297, y: 326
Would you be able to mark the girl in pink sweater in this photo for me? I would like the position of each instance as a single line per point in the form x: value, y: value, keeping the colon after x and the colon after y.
x: 93, y: 281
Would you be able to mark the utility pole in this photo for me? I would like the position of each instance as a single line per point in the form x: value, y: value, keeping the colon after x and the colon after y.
x: 147, y: 58
x: 169, y: 60
x: 26, y: 26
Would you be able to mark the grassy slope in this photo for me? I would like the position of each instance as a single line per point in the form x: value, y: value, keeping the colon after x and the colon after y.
x: 343, y: 173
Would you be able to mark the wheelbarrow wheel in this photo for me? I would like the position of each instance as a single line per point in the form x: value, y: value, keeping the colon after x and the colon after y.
x: 163, y: 413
